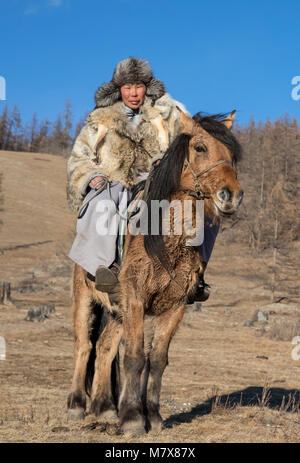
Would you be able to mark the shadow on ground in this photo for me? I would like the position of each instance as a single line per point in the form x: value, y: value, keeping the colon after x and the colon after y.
x: 274, y: 398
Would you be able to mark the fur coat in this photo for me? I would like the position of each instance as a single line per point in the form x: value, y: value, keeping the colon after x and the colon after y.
x: 108, y: 144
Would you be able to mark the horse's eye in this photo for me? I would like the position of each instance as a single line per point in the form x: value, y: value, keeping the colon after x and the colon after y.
x: 201, y: 148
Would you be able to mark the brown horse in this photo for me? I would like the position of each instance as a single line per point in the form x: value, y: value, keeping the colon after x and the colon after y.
x: 159, y: 272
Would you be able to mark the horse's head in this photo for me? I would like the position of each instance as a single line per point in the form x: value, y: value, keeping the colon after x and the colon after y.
x: 209, y: 170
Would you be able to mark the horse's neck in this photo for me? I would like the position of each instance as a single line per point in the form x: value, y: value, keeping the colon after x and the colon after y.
x: 205, y: 207
x: 184, y: 217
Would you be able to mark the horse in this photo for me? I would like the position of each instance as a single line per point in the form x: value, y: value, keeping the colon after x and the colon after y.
x: 159, y: 273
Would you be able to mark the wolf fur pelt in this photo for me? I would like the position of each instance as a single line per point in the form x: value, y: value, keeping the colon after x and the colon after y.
x: 108, y: 145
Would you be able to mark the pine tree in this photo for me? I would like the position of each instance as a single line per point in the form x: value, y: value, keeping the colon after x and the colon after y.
x: 17, y: 130
x: 3, y: 127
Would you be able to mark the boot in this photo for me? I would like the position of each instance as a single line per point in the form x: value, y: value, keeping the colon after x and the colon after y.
x: 202, y: 291
x: 106, y: 278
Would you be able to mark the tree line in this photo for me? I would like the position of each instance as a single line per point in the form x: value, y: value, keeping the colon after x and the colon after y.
x: 268, y: 220
x: 270, y: 175
x: 38, y: 136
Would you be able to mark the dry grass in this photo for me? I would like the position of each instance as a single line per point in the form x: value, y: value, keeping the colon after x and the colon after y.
x: 284, y: 330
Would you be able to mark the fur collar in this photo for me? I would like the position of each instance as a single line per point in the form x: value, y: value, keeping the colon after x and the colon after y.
x: 109, y: 115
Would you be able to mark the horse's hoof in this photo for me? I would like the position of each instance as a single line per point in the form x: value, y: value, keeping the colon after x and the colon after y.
x: 156, y: 425
x: 76, y: 414
x: 133, y: 429
x: 108, y: 415
x: 103, y: 410
x: 156, y: 428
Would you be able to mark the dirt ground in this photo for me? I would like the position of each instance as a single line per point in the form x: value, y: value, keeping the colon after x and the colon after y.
x: 231, y: 376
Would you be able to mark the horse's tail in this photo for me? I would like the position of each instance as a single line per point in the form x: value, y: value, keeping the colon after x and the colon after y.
x: 100, y: 320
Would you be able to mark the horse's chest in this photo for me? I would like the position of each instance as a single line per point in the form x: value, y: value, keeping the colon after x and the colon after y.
x: 172, y: 292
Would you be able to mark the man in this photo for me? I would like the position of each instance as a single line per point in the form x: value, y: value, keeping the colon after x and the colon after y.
x: 131, y: 127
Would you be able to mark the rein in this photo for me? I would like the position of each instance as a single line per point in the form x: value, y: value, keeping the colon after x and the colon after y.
x: 197, y: 192
x: 102, y: 185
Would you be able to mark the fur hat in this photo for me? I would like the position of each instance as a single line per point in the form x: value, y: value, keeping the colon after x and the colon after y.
x: 130, y: 70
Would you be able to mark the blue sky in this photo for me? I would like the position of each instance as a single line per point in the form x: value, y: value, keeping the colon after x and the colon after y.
x: 213, y: 56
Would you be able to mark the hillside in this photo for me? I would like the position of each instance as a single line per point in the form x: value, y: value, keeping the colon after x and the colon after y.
x: 35, y: 212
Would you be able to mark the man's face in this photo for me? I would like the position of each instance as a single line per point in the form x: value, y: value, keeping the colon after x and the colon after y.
x: 133, y: 94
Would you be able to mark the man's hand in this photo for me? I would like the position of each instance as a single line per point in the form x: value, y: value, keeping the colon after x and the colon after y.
x: 94, y: 182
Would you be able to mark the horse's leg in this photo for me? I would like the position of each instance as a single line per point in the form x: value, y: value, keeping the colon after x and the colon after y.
x: 106, y: 350
x: 148, y: 339
x: 82, y: 322
x: 144, y: 382
x: 166, y: 325
x: 130, y: 405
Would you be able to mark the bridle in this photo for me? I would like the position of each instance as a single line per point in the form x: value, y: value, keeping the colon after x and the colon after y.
x: 197, y: 192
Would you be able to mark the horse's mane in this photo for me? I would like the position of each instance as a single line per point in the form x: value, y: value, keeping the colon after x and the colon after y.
x: 166, y: 176
x: 165, y: 181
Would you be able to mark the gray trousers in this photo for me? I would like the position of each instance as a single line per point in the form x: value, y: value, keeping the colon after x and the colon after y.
x: 97, y: 230
x: 98, y: 227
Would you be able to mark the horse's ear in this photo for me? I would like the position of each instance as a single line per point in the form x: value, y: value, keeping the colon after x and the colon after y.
x: 187, y: 124
x: 228, y: 122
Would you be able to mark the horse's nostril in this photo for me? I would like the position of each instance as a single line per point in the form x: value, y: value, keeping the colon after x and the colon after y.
x: 223, y: 195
